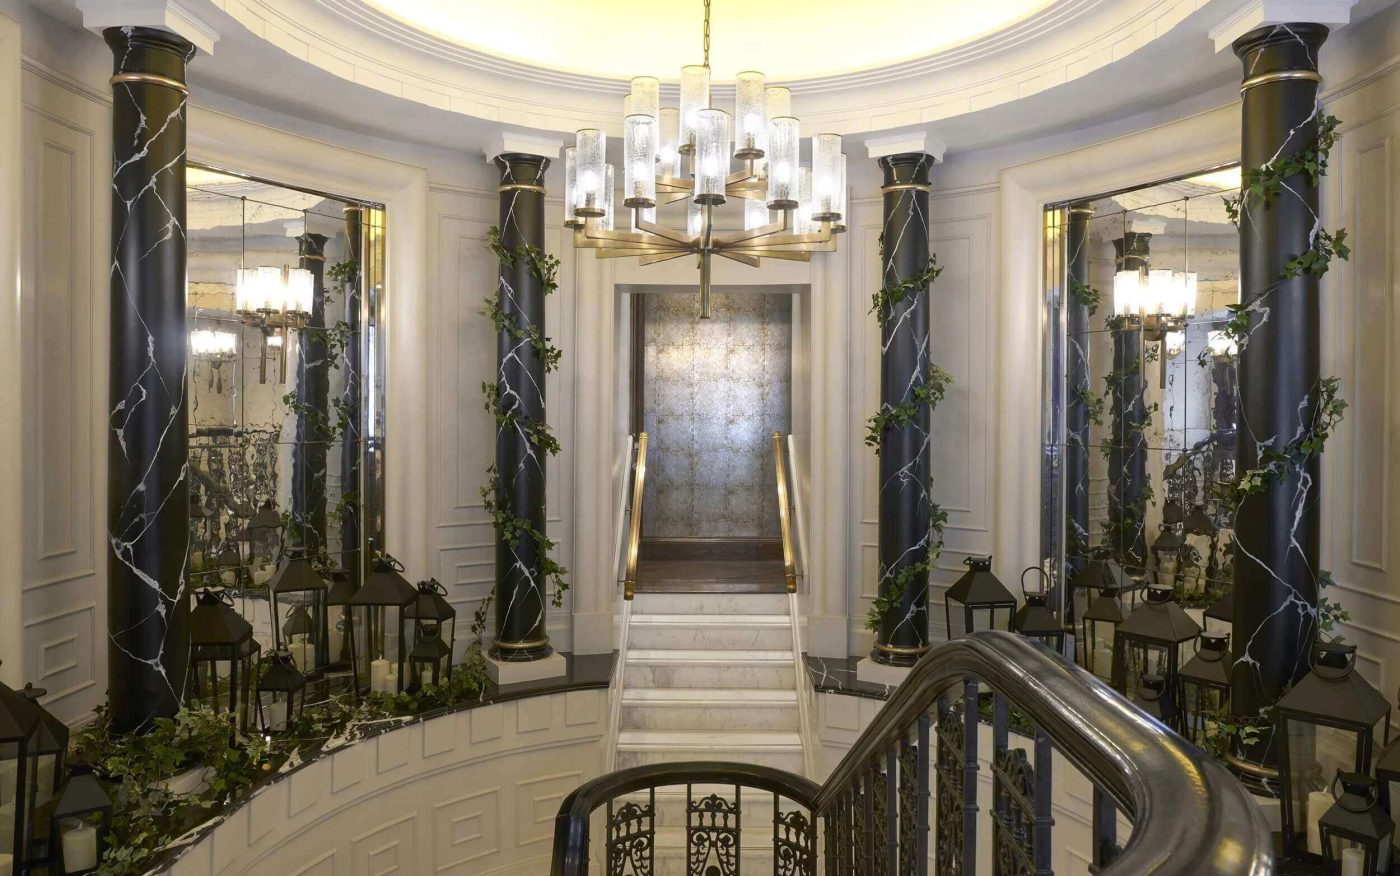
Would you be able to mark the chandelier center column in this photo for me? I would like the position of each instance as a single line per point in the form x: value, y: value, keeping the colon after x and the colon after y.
x: 1277, y: 529
x: 148, y: 427
x: 905, y: 503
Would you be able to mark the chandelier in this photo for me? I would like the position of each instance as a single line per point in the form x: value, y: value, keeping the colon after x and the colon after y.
x: 689, y: 153
x: 274, y: 300
x: 1157, y: 302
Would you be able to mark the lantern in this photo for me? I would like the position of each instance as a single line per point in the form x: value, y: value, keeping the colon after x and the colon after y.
x: 223, y: 655
x: 1198, y: 522
x: 19, y: 763
x: 976, y: 591
x: 300, y: 615
x: 1149, y: 640
x: 433, y: 609
x: 1154, y: 696
x: 1328, y: 722
x: 1035, y: 620
x: 1388, y: 774
x: 1205, y: 683
x: 52, y: 747
x: 281, y: 693
x: 1356, y: 827
x: 1106, y: 610
x: 340, y: 640
x: 262, y: 537
x: 1166, y: 555
x: 381, y: 628
x: 1222, y: 611
x: 430, y: 661
x: 80, y: 824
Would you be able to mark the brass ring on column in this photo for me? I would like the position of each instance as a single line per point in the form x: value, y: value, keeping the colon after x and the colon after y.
x: 903, y: 649
x: 905, y: 187
x: 1280, y: 76
x: 1251, y: 768
x: 150, y: 79
x: 520, y: 187
x: 521, y: 646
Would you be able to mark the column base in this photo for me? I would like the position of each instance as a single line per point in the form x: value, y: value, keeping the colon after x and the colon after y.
x: 515, y: 671
x: 880, y: 673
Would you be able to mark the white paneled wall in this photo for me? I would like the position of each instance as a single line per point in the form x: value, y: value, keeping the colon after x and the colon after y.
x: 474, y: 792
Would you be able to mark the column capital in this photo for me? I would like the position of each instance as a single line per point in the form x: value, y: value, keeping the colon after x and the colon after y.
x: 906, y: 170
x: 520, y: 170
x: 909, y: 141
x: 311, y: 245
x: 171, y: 16
x: 1252, y: 15
x: 522, y: 143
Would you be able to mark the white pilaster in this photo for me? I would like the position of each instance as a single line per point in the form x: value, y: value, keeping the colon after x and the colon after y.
x: 1254, y: 14
x: 172, y: 15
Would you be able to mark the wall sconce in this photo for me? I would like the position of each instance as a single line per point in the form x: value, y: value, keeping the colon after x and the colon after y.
x: 275, y: 298
x: 216, y: 347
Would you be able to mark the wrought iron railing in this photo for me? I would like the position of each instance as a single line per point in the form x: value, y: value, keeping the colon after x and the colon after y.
x: 634, y: 523
x: 904, y: 799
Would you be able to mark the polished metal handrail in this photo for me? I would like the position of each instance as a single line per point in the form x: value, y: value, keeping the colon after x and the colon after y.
x: 785, y: 524
x: 634, y: 532
x: 1189, y: 814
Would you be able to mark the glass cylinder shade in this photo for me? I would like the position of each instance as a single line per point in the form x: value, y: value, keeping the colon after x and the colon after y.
x: 646, y: 96
x: 782, y: 162
x: 711, y: 156
x: 802, y: 220
x: 777, y: 101
x: 668, y: 141
x: 755, y: 214
x: 826, y: 177
x: 19, y: 729
x: 609, y: 192
x: 382, y: 630
x: 694, y: 219
x: 570, y: 184
x: 591, y: 149
x: 695, y: 97
x: 639, y: 161
x: 841, y: 198
x: 750, y: 116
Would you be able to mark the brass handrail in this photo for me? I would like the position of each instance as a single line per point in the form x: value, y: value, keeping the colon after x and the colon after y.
x: 789, y: 566
x: 634, y: 524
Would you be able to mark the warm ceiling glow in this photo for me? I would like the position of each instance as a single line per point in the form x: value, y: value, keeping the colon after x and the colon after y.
x: 786, y: 39
x: 1229, y: 178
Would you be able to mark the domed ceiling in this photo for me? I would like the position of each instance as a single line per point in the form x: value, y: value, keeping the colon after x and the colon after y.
x: 785, y: 39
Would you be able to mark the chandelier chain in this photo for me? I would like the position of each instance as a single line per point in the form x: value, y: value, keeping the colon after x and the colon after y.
x: 707, y: 33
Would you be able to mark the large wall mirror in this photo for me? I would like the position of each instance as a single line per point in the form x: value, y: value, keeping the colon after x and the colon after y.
x: 286, y: 383
x: 1140, y: 418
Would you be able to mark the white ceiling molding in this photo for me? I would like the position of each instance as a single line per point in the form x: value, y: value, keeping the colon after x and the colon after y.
x: 170, y: 15
x: 910, y: 141
x: 1262, y: 13
x: 523, y: 142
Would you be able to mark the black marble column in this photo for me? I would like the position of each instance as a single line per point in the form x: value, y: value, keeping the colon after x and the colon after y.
x: 1077, y: 377
x: 1127, y: 457
x: 313, y: 388
x: 1276, y: 531
x: 148, y: 428
x: 905, y: 503
x: 351, y: 448
x: 520, y: 466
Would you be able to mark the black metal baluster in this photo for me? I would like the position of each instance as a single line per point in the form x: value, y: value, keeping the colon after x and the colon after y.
x: 867, y: 839
x: 1044, y: 798
x: 794, y: 842
x: 969, y: 782
x: 1105, y: 829
x: 948, y: 786
x: 631, y: 831
x: 885, y: 807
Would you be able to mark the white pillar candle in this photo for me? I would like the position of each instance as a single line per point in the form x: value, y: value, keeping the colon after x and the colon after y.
x: 378, y: 672
x: 1103, y: 661
x: 9, y: 777
x: 275, y: 715
x: 1318, y: 803
x: 303, y: 654
x: 79, y: 847
x: 391, y: 680
x: 1353, y: 860
x: 425, y: 677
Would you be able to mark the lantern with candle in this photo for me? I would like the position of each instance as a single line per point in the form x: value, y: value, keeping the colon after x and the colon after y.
x: 1330, y: 721
x: 80, y: 824
x: 52, y: 747
x: 1035, y: 619
x: 433, y: 610
x: 299, y: 600
x: 1155, y: 698
x: 381, y: 628
x: 223, y: 655
x: 1205, y: 683
x: 340, y: 625
x: 19, y: 757
x: 1149, y: 640
x: 976, y: 592
x: 281, y: 693
x: 1098, y: 624
x: 430, y: 661
x: 1356, y: 822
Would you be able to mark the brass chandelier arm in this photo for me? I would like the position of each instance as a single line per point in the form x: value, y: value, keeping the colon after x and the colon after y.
x: 785, y: 255
x: 662, y: 257
x: 663, y: 232
x: 736, y: 256
x: 762, y: 231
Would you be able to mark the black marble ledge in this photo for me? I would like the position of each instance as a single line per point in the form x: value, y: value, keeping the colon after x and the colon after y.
x: 582, y: 672
x: 838, y: 675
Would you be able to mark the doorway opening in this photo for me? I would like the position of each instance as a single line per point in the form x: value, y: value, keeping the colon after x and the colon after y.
x: 710, y: 395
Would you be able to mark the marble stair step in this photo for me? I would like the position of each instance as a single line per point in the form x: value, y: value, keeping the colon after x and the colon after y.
x: 704, y: 709
x: 768, y: 632
x: 709, y: 603
x: 780, y: 749
x: 667, y: 668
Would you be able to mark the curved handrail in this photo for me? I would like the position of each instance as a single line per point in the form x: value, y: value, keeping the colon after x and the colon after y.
x: 1190, y: 816
x: 634, y: 528
x: 571, y: 824
x: 784, y: 524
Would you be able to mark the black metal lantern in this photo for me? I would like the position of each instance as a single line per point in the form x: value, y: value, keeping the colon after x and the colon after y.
x: 281, y: 693
x: 1154, y: 696
x: 80, y: 824
x: 1035, y: 620
x: 978, y: 590
x: 430, y: 661
x: 1222, y: 610
x: 340, y: 624
x: 1166, y: 555
x: 381, y: 628
x: 1199, y: 522
x: 433, y: 609
x: 1205, y: 683
x: 19, y: 765
x: 1099, y: 625
x: 262, y: 536
x: 1331, y: 721
x: 300, y: 614
x: 223, y: 655
x: 1356, y: 822
x: 1149, y: 640
x: 1388, y: 774
x: 52, y: 747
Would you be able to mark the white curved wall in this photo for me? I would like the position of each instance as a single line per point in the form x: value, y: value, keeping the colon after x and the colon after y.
x: 473, y: 792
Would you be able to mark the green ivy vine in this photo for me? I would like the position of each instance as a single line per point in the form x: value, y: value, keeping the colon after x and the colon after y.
x: 544, y: 268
